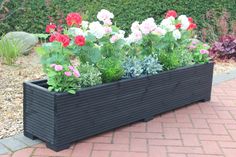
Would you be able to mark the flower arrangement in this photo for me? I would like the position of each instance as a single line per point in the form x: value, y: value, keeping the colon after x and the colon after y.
x: 105, y: 50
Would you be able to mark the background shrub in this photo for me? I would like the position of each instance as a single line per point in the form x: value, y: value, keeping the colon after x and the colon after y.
x: 33, y: 15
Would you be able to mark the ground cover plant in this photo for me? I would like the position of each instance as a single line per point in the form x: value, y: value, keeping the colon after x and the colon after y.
x: 80, y: 47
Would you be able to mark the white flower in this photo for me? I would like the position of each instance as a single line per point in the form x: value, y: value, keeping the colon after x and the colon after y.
x: 159, y: 31
x: 105, y: 16
x: 85, y: 25
x: 176, y: 34
x: 135, y: 26
x: 74, y: 31
x: 168, y: 24
x: 184, y: 22
x: 134, y: 37
x: 147, y: 26
x: 117, y: 36
x: 97, y: 29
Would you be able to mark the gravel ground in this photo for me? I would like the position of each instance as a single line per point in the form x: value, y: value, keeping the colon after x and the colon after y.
x: 28, y: 68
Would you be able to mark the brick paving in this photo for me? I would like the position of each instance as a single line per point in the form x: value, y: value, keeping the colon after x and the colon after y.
x: 199, y: 130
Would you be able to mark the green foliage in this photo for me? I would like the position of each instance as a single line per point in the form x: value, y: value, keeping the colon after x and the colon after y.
x: 169, y: 60
x: 151, y: 65
x: 111, y: 69
x: 32, y: 16
x: 90, y: 75
x: 9, y: 50
x: 135, y: 67
x: 53, y: 53
x: 132, y: 67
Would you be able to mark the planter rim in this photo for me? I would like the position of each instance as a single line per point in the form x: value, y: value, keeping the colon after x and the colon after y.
x: 106, y: 84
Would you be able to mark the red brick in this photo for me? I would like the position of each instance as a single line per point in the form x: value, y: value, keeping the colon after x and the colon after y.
x: 100, y: 154
x: 157, y: 151
x: 121, y: 134
x: 221, y: 121
x: 119, y: 147
x: 171, y: 133
x: 154, y: 127
x: 165, y: 120
x: 224, y: 115
x: 190, y: 150
x: 211, y: 147
x: 190, y: 140
x: 146, y: 135
x: 203, y: 116
x: 229, y: 152
x: 194, y: 131
x: 128, y: 154
x: 165, y: 142
x: 200, y: 123
x: 214, y: 137
x: 193, y: 109
x: 121, y: 140
x: 27, y: 152
x: 177, y: 125
x: 225, y: 144
x: 176, y: 155
x: 49, y: 152
x: 138, y: 145
x: 82, y: 149
x: 206, y: 108
x: 200, y: 155
x: 99, y: 139
x: 183, y: 118
x: 218, y: 129
x: 139, y: 127
x: 233, y: 134
x: 230, y: 126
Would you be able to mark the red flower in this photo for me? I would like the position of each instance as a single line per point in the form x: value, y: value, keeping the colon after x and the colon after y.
x: 50, y: 28
x: 73, y: 19
x: 190, y: 20
x: 177, y: 26
x: 192, y: 26
x: 64, y: 39
x: 172, y: 13
x: 80, y: 40
x: 52, y: 38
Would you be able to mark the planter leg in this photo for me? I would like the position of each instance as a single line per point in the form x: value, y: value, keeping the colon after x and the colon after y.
x: 29, y: 135
x: 57, y: 148
x: 148, y: 119
x: 206, y: 99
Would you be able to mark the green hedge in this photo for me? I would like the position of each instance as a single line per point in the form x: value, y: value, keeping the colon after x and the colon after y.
x: 32, y: 15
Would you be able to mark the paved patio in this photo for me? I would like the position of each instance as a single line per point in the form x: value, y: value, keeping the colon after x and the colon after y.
x: 200, y: 130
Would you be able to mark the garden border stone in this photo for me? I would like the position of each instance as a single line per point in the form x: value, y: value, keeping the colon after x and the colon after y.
x: 26, y: 142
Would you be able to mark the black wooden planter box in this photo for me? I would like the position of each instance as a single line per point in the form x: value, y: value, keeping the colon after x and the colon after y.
x: 59, y: 119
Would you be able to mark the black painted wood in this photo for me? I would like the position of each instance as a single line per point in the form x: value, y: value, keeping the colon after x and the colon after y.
x: 61, y: 118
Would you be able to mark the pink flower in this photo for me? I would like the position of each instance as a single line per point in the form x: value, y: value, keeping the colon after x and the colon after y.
x: 148, y: 26
x: 67, y: 73
x: 52, y: 65
x: 76, y: 73
x: 192, y: 47
x: 71, y: 68
x: 58, y: 67
x: 108, y: 29
x: 105, y: 16
x: 204, y: 51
